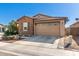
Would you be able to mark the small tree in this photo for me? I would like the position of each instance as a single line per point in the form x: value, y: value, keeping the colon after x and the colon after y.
x: 12, y: 28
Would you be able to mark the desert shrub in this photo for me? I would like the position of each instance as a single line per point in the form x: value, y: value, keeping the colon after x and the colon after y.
x: 11, y: 29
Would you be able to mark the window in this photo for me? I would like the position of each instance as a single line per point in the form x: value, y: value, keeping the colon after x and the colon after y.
x: 25, y: 26
x: 2, y: 29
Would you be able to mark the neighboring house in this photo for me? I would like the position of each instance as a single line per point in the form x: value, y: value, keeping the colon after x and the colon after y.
x: 42, y: 25
x: 75, y: 29
x: 2, y: 28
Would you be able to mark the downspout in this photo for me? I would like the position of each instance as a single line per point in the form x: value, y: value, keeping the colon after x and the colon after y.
x: 59, y: 29
x: 33, y: 26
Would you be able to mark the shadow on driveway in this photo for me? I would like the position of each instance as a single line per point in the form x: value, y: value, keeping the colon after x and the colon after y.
x: 41, y: 39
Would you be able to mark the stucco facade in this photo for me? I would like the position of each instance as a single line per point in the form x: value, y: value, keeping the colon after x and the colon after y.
x: 2, y: 29
x: 43, y: 25
x: 20, y: 25
x: 74, y: 29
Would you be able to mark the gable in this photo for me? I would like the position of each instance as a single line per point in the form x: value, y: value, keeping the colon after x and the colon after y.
x: 24, y: 19
x: 46, y: 17
x: 41, y: 16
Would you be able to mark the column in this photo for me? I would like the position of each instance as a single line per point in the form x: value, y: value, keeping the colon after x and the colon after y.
x: 62, y: 28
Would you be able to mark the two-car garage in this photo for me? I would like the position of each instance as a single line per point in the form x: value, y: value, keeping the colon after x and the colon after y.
x: 50, y: 28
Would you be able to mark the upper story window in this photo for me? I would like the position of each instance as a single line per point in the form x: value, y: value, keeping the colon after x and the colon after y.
x: 25, y: 26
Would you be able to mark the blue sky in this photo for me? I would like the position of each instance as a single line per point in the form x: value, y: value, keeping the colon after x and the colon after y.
x: 11, y: 11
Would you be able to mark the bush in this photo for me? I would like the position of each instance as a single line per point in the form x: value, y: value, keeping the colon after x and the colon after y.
x: 12, y: 28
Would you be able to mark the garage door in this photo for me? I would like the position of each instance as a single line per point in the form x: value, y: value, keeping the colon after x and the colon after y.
x: 47, y: 29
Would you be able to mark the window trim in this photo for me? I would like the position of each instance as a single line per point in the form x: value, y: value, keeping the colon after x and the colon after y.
x: 25, y: 26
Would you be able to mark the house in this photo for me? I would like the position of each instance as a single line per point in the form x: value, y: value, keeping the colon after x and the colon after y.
x: 2, y: 28
x: 74, y: 31
x: 41, y: 24
x: 75, y: 28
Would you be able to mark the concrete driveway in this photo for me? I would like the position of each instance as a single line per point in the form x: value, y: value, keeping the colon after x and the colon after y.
x: 2, y: 53
x: 19, y: 49
x: 41, y: 39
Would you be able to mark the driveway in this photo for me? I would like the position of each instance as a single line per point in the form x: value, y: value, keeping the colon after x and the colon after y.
x: 41, y: 39
x: 32, y: 50
x: 6, y: 54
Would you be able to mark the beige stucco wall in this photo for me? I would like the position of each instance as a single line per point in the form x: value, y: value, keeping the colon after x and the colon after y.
x: 75, y: 25
x: 30, y: 26
x: 74, y: 29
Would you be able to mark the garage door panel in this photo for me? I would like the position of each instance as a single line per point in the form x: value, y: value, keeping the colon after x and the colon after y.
x: 47, y: 29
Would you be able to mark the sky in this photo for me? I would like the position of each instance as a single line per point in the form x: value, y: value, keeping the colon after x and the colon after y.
x: 13, y: 11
